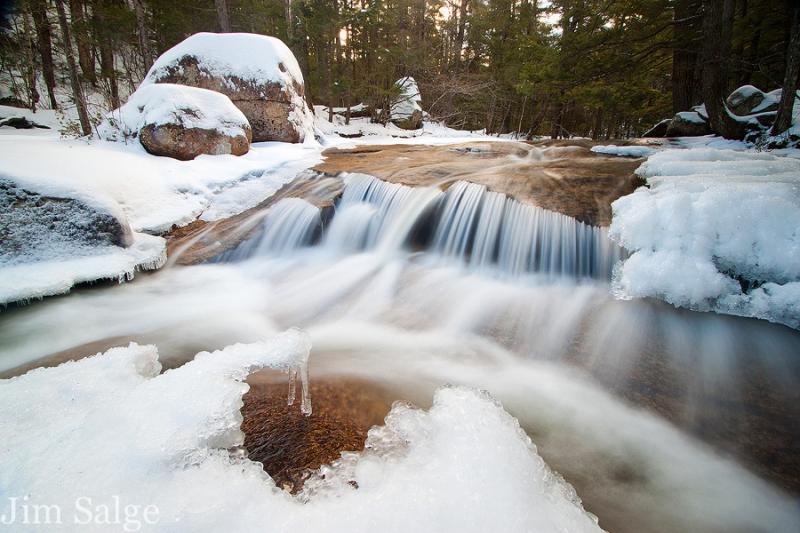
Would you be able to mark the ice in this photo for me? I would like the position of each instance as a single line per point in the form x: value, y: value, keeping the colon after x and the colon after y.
x: 709, y: 220
x: 623, y: 151
x: 57, y: 275
x: 113, y: 425
x: 167, y: 103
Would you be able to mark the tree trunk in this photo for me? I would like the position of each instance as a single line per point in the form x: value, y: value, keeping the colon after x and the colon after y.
x: 143, y: 34
x: 30, y: 74
x: 43, y: 35
x: 223, y: 18
x: 783, y: 120
x: 287, y: 13
x: 107, y: 66
x: 81, y: 30
x: 77, y: 91
x: 717, y: 23
x: 684, y: 55
x: 462, y: 26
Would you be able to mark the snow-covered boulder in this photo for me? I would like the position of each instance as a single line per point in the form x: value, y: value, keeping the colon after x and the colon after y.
x: 748, y: 100
x: 52, y: 237
x: 406, y: 111
x: 34, y: 225
x: 180, y: 122
x: 258, y: 73
x: 688, y: 124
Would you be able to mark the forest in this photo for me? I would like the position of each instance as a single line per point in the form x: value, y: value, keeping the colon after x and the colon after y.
x: 558, y: 68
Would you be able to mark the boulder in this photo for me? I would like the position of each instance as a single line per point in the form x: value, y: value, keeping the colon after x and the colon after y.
x: 406, y: 110
x: 743, y: 100
x: 659, y: 130
x: 42, y: 225
x: 687, y: 124
x: 180, y: 122
x: 258, y: 73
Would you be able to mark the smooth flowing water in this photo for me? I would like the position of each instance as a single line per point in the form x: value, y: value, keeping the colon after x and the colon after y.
x: 661, y: 418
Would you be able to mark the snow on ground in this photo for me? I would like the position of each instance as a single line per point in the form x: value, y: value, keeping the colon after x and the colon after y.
x: 110, y: 428
x: 155, y: 193
x: 623, y: 151
x: 715, y: 230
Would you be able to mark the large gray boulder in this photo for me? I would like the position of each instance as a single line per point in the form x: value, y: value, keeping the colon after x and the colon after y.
x: 258, y: 73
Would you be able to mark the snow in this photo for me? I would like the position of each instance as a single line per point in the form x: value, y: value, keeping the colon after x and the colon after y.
x: 250, y: 57
x: 167, y: 103
x: 709, y: 218
x: 44, y: 117
x: 155, y: 193
x: 691, y: 116
x: 409, y: 100
x: 623, y: 151
x: 111, y: 424
x: 57, y: 275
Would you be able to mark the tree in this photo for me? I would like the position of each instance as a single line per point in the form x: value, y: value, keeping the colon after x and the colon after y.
x: 43, y: 34
x: 784, y: 118
x: 75, y: 82
x: 223, y: 17
x: 717, y: 24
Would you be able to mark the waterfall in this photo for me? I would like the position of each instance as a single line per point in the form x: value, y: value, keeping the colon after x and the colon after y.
x: 288, y: 225
x: 467, y: 224
x: 484, y: 230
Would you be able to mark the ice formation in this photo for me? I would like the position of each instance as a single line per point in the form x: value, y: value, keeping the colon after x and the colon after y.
x: 623, y: 151
x: 167, y: 103
x: 111, y: 426
x: 714, y: 230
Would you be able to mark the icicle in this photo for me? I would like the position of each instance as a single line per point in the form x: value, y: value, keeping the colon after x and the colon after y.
x: 305, y: 400
x: 292, y: 385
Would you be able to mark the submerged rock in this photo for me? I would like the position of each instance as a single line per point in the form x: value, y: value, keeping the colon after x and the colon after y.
x: 258, y: 73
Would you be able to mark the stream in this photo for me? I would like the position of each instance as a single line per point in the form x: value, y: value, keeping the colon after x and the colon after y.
x: 662, y: 419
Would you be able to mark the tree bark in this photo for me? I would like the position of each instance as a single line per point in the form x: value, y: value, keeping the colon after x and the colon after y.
x: 30, y: 74
x: 77, y: 91
x: 81, y: 31
x: 143, y: 34
x: 717, y: 24
x: 44, y: 38
x: 106, y: 51
x: 783, y: 120
x: 463, y: 9
x: 287, y: 13
x: 684, y: 55
x: 223, y: 18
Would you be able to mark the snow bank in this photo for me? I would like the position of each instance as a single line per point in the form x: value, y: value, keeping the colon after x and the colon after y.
x: 712, y: 225
x: 111, y: 428
x: 155, y: 193
x: 167, y: 103
x: 254, y: 58
x: 623, y: 151
x: 73, y: 265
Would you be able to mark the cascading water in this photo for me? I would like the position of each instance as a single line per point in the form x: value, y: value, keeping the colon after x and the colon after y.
x: 484, y: 230
x: 288, y: 225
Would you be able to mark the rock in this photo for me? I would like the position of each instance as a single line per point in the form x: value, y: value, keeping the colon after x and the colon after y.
x: 175, y: 141
x: 21, y: 123
x: 687, y: 124
x: 406, y: 111
x: 180, y: 122
x: 258, y: 73
x: 659, y: 130
x: 37, y: 226
x: 743, y: 100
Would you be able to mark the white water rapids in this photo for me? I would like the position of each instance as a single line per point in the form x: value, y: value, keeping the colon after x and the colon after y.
x: 415, y: 288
